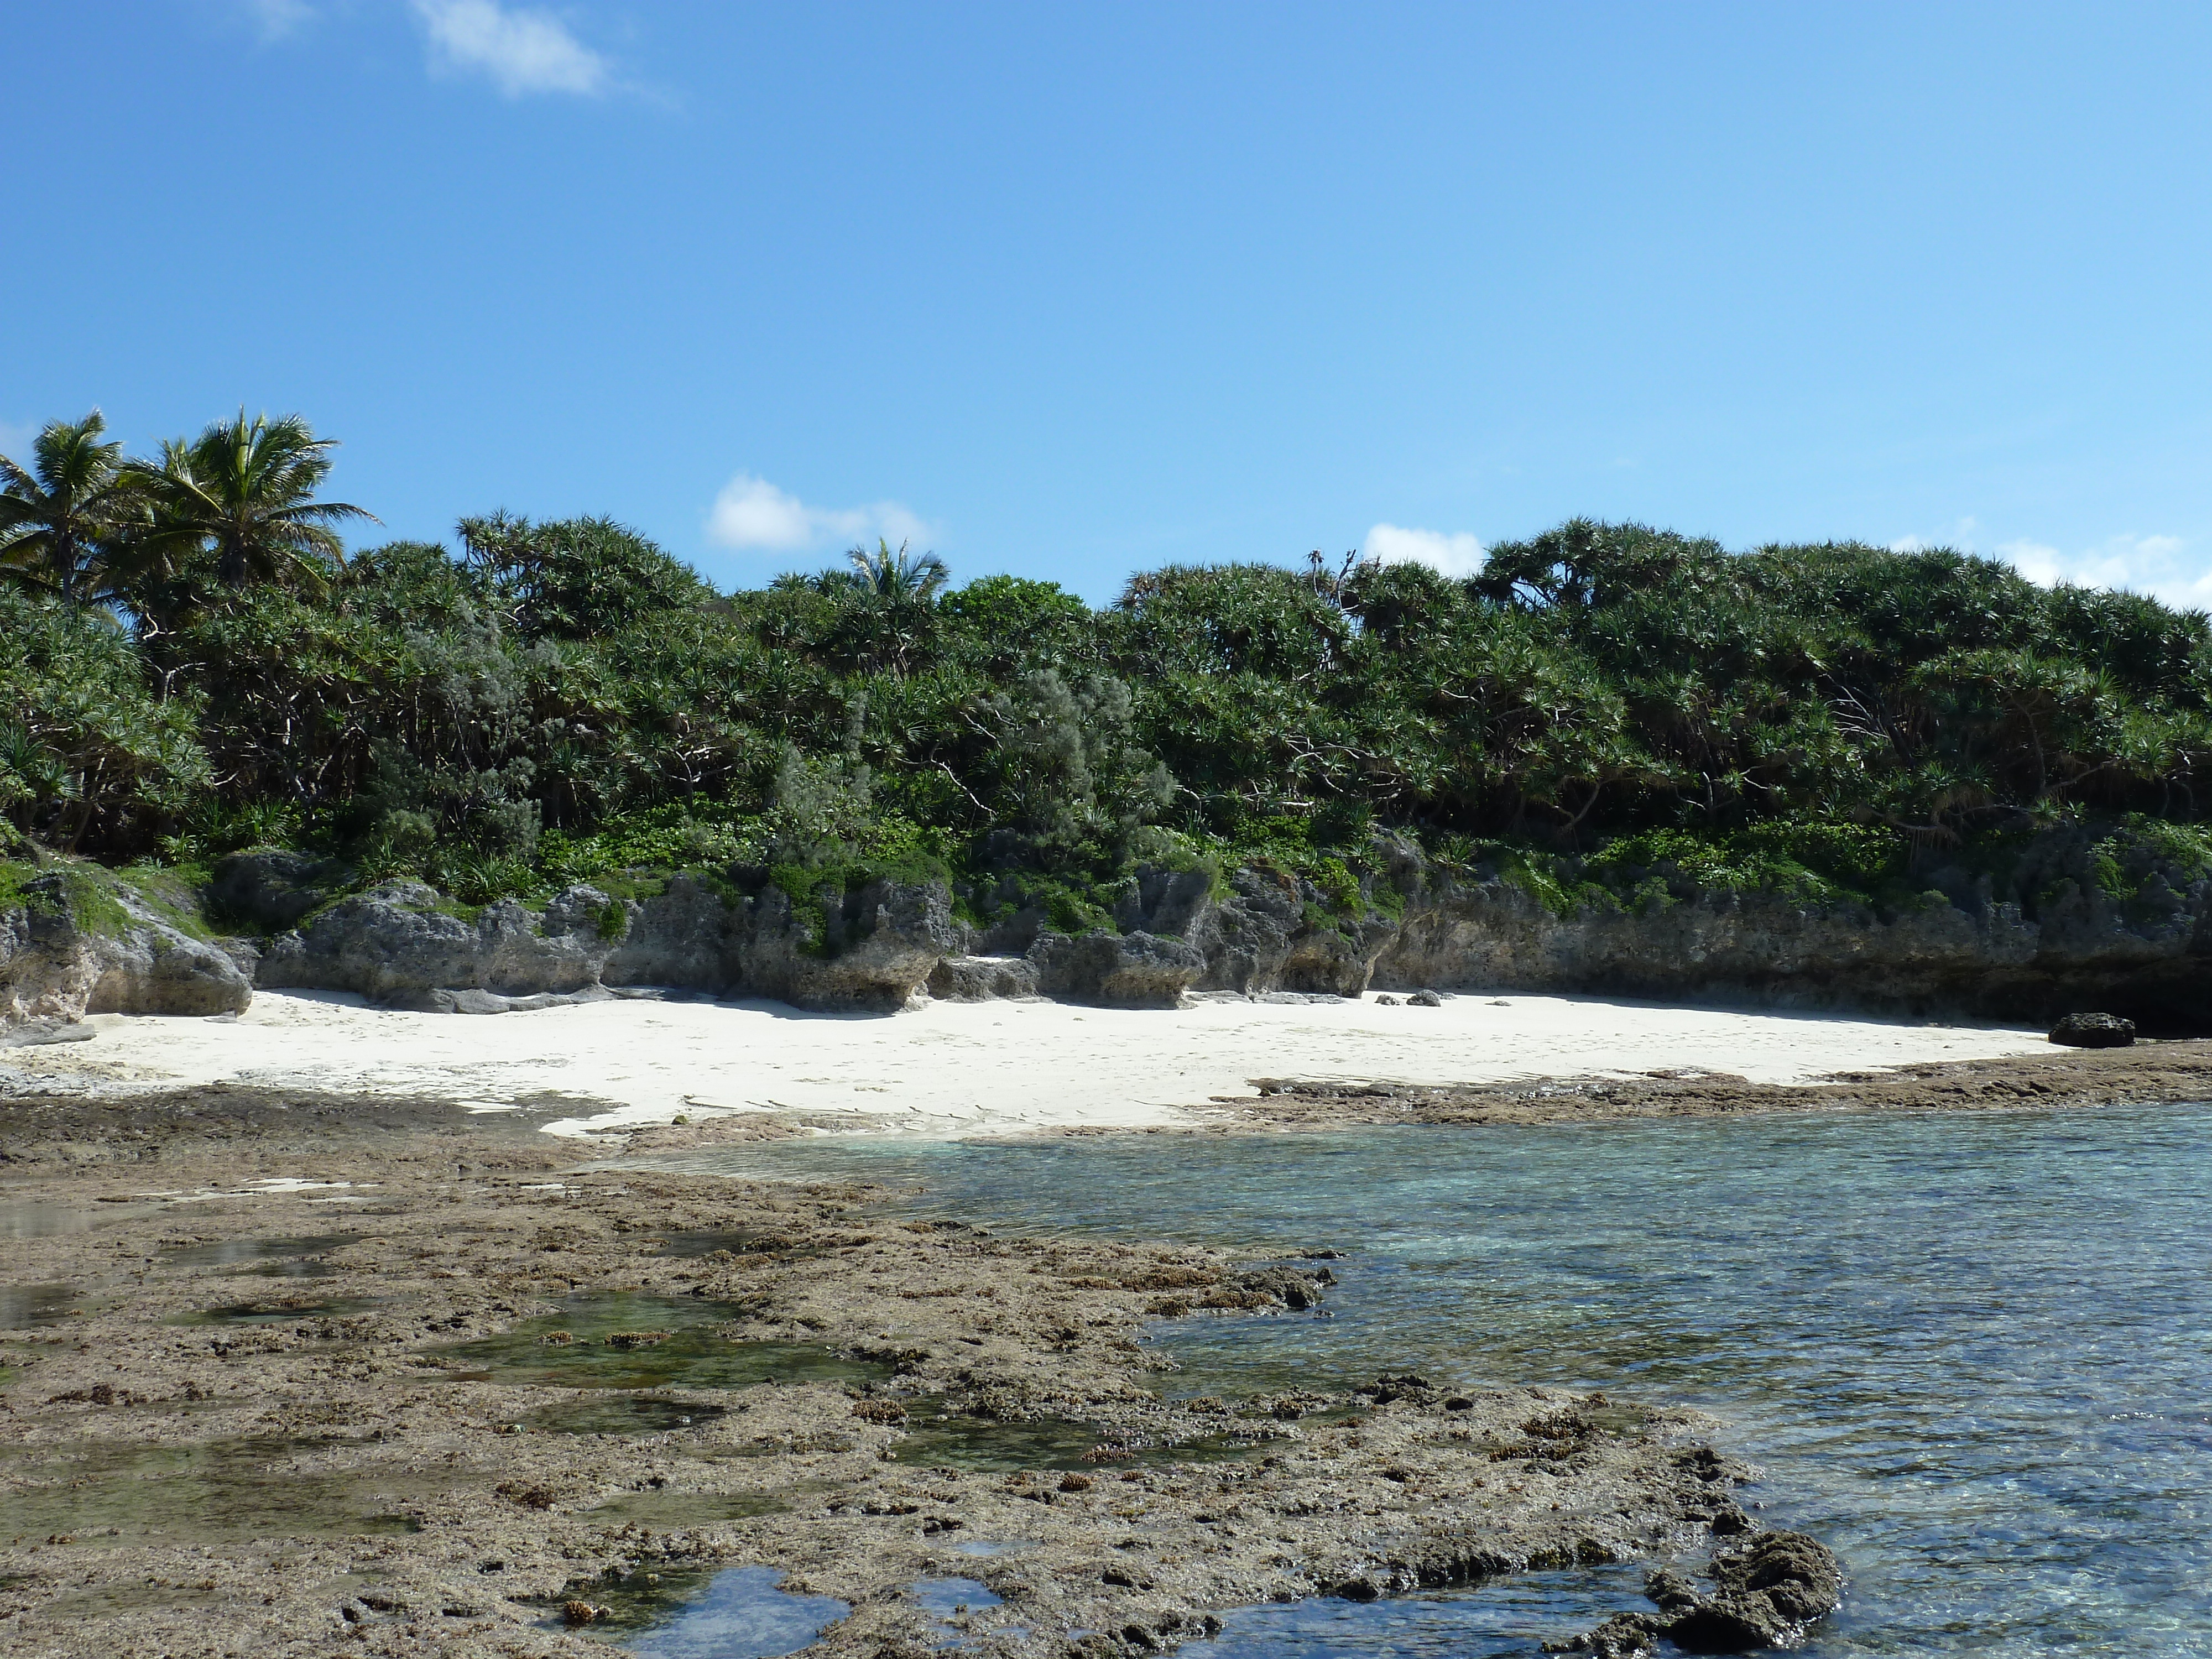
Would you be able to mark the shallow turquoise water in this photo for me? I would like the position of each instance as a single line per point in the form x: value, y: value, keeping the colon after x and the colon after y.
x: 1973, y: 1352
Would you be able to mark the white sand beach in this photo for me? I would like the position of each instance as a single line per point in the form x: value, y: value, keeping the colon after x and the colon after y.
x: 964, y: 1068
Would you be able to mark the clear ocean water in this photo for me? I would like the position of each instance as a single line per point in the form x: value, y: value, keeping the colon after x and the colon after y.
x: 1973, y: 1352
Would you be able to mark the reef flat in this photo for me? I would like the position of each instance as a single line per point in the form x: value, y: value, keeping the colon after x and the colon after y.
x: 285, y: 1370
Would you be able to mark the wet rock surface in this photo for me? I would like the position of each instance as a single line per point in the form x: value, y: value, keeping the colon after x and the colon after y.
x: 1765, y: 1591
x: 361, y: 1465
x: 2153, y: 1071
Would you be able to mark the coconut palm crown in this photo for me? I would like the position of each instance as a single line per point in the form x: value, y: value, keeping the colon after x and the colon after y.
x: 246, y: 491
x: 61, y: 517
x: 900, y: 576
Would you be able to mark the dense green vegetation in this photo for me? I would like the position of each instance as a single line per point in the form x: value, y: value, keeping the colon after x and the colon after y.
x: 193, y: 664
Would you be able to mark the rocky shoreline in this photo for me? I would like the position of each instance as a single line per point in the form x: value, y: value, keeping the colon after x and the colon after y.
x: 2064, y: 1078
x: 188, y: 1305
x: 2071, y: 926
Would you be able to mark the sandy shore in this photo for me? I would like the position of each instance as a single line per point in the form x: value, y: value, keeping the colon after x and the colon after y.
x: 962, y: 1068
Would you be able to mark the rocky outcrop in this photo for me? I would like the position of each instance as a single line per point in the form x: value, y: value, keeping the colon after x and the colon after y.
x: 2070, y: 925
x: 75, y: 942
x: 267, y: 889
x: 983, y: 979
x: 404, y: 946
x: 1764, y: 1593
x: 1126, y: 970
x: 2051, y: 938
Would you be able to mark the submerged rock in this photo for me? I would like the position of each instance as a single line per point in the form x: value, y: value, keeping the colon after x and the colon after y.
x: 1765, y: 1592
x: 2093, y: 1031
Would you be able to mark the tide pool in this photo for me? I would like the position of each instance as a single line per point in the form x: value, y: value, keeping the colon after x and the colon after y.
x: 1971, y: 1351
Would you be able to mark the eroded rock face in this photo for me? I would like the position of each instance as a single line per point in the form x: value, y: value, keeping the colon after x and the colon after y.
x: 1126, y: 970
x: 402, y: 944
x: 2050, y: 941
x: 56, y: 966
x: 983, y: 979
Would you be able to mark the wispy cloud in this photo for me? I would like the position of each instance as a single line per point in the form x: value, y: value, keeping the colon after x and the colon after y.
x: 521, y: 49
x: 2157, y: 565
x: 752, y: 515
x: 1457, y: 555
x: 15, y: 437
x: 276, y: 18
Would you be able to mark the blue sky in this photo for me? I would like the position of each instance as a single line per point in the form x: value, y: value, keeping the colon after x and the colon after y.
x: 1073, y: 291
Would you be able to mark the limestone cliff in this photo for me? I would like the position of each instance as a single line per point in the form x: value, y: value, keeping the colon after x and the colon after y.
x: 2067, y: 925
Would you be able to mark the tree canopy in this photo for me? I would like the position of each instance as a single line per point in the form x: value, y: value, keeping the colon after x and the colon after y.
x: 552, y: 698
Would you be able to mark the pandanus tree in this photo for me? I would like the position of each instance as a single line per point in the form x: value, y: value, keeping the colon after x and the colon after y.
x: 244, y: 492
x: 64, y: 518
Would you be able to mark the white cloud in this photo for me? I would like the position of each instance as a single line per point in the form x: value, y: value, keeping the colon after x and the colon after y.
x: 1453, y: 555
x: 752, y: 516
x: 15, y: 438
x: 522, y: 49
x: 2141, y: 564
x: 277, y: 18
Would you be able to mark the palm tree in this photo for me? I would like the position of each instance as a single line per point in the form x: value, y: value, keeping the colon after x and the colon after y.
x: 60, y: 520
x: 245, y: 490
x: 899, y: 576
x: 894, y: 603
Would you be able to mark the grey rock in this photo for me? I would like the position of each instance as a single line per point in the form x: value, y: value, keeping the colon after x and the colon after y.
x: 873, y: 953
x: 55, y: 968
x: 1133, y: 970
x: 1293, y: 1289
x: 37, y: 1032
x: 155, y: 968
x: 393, y: 945
x: 2093, y: 1031
x: 1425, y: 999
x: 401, y: 945
x: 983, y: 979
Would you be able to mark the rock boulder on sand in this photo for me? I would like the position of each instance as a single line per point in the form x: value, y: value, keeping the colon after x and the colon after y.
x: 983, y: 979
x: 74, y: 943
x: 2093, y: 1031
x: 1123, y: 970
